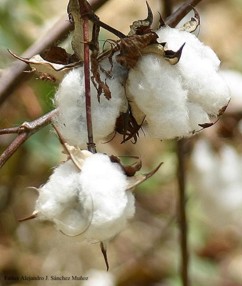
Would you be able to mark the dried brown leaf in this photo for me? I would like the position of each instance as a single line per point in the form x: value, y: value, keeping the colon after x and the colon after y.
x: 46, y: 69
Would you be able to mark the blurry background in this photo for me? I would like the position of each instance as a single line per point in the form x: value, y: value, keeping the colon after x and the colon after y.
x: 147, y: 252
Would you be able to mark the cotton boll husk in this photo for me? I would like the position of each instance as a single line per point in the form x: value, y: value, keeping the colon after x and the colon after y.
x: 156, y: 88
x: 59, y: 200
x: 198, y: 67
x: 71, y: 118
x: 112, y: 204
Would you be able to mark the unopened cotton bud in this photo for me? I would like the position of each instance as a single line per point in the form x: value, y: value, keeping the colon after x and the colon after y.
x: 71, y: 117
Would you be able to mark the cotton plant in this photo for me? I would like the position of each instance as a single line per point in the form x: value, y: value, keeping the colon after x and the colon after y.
x: 163, y: 81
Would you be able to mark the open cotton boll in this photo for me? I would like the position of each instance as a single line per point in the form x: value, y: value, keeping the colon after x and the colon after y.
x: 112, y: 204
x: 198, y: 68
x: 177, y: 99
x: 93, y: 202
x: 70, y: 101
x: 59, y: 200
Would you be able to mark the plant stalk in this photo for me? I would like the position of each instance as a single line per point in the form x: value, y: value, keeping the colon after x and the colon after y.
x: 183, y: 225
x: 87, y: 78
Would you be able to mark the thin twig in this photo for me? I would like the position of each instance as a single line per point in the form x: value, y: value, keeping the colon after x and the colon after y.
x: 25, y: 131
x: 183, y: 225
x: 181, y: 12
x: 84, y: 8
x: 13, y: 76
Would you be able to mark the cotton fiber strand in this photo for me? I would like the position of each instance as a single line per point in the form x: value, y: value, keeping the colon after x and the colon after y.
x: 177, y: 99
x: 71, y: 118
x: 92, y: 202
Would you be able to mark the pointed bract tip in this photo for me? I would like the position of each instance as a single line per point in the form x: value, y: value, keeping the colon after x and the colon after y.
x: 173, y: 57
x: 104, y: 252
x: 150, y: 16
x: 32, y: 216
x: 161, y: 22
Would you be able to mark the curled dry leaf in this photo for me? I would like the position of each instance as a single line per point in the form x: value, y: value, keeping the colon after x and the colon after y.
x: 73, y: 10
x: 46, y: 69
x: 131, y: 48
x: 128, y: 125
x: 141, y: 27
x: 77, y: 155
x: 193, y: 24
x: 129, y: 170
x: 137, y: 180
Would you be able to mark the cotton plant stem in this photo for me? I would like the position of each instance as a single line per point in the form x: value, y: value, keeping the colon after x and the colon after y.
x: 24, y: 132
x: 182, y: 216
x: 84, y: 9
x: 90, y: 143
x: 181, y: 12
x: 14, y: 75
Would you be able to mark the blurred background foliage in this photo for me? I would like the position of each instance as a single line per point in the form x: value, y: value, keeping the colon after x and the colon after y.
x: 147, y: 252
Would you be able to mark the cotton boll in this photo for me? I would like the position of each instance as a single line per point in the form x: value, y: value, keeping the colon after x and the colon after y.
x: 112, y: 204
x: 177, y: 99
x: 71, y: 118
x: 156, y: 88
x: 59, y: 200
x: 93, y: 201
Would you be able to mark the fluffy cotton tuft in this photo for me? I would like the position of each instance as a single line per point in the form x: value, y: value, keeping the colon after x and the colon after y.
x: 93, y: 201
x: 177, y: 98
x: 59, y: 200
x: 70, y: 101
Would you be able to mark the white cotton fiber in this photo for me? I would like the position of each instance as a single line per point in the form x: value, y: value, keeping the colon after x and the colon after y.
x: 160, y: 97
x: 112, y: 204
x: 92, y: 202
x: 198, y: 67
x: 177, y: 99
x: 70, y: 101
x: 59, y: 200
